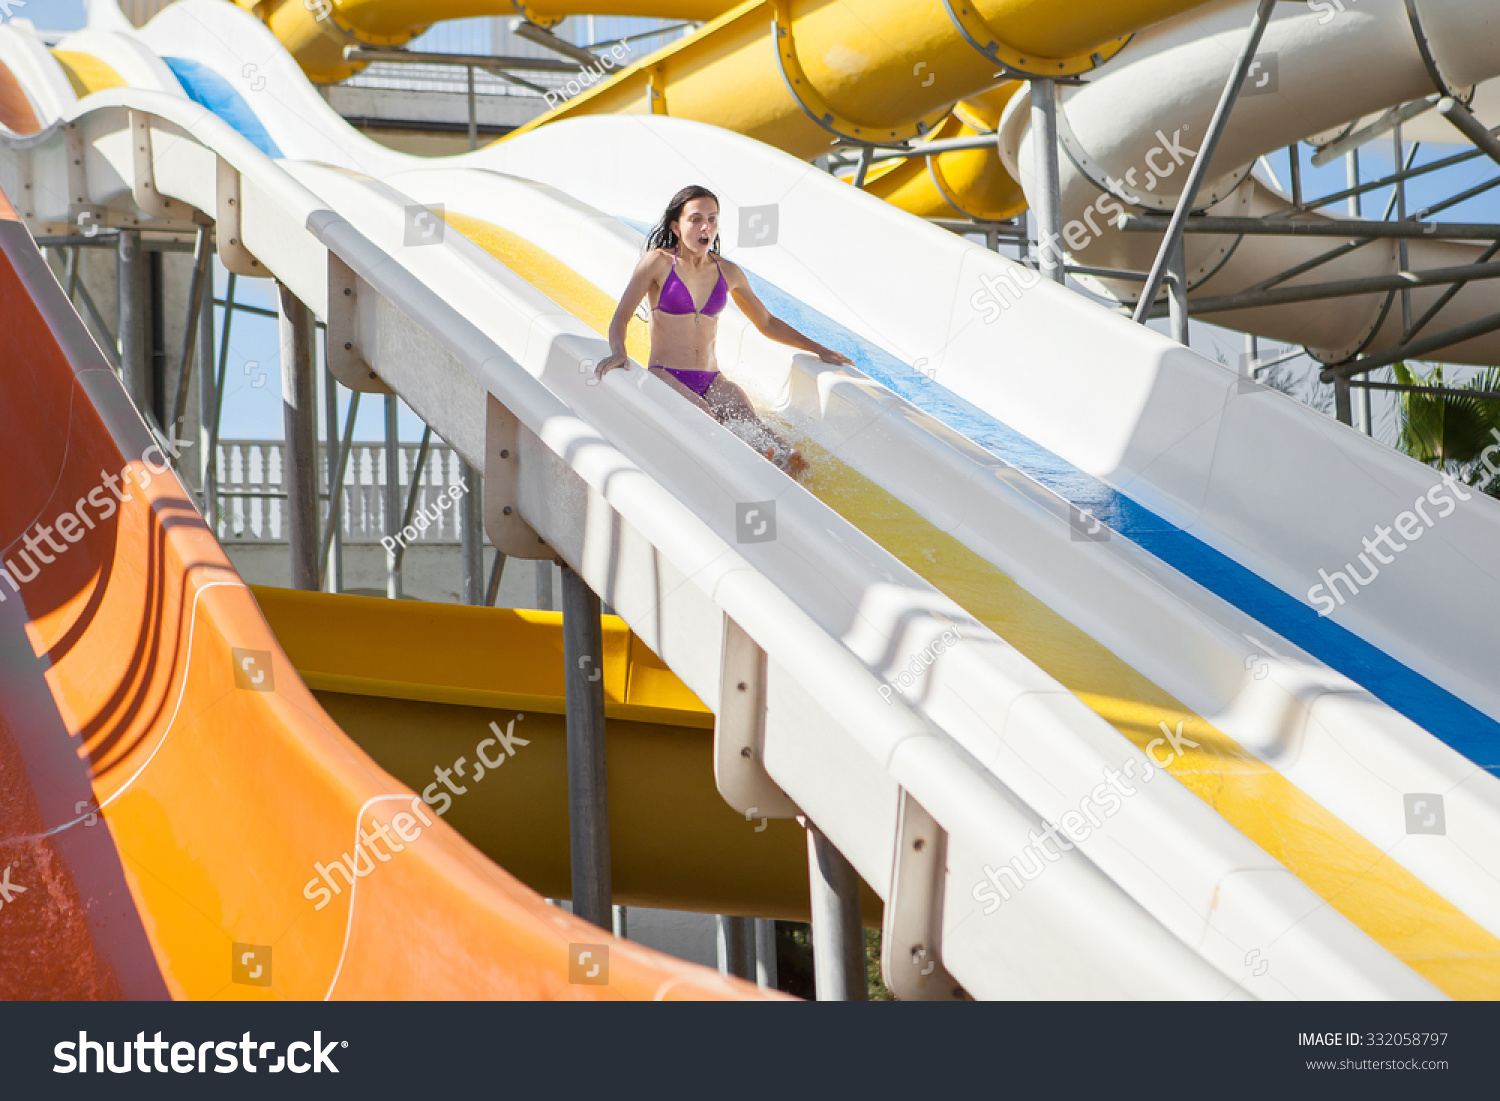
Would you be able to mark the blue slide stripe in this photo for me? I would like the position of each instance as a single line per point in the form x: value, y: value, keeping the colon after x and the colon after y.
x: 208, y: 89
x: 1435, y: 709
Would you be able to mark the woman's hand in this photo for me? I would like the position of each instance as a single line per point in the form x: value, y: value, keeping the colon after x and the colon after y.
x: 610, y: 362
x: 838, y: 359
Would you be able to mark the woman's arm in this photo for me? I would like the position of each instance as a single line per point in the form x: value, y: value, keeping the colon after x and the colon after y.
x: 772, y: 327
x: 635, y: 291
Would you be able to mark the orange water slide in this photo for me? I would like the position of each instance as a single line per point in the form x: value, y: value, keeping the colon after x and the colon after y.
x: 173, y: 800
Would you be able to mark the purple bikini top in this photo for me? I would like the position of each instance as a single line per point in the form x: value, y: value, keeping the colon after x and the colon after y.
x: 675, y: 298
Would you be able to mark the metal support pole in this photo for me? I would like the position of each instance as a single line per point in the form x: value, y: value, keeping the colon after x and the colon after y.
x: 76, y: 290
x: 1252, y: 355
x: 1294, y: 159
x: 1345, y: 288
x: 1342, y: 407
x: 202, y: 273
x: 588, y: 786
x: 1205, y: 158
x: 837, y: 935
x: 471, y: 534
x: 1347, y: 230
x: 736, y: 944
x: 332, y: 562
x: 156, y: 339
x: 1366, y: 412
x: 1464, y: 121
x: 334, y: 530
x: 544, y: 601
x: 212, y: 448
x: 208, y: 405
x: 1050, y: 261
x: 862, y: 172
x: 1447, y: 296
x: 765, y: 954
x: 473, y: 112
x: 1351, y: 173
x: 497, y: 571
x: 392, y: 497
x: 1177, y: 291
x: 300, y: 453
x: 131, y: 327
x: 414, y: 484
x: 1417, y: 349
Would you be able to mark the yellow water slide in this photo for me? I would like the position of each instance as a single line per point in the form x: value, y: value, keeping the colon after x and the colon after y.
x: 315, y: 32
x: 800, y: 75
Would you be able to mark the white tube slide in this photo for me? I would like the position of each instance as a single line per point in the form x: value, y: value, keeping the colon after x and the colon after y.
x: 1128, y: 135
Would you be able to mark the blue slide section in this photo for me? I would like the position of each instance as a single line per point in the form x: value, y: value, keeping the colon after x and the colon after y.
x: 208, y: 89
x: 1460, y: 725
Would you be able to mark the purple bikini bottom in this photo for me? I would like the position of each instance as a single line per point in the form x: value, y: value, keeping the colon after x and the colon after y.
x: 696, y: 381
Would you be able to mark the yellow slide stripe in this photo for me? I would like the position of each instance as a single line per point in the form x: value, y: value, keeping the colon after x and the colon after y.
x: 87, y: 73
x: 1369, y: 888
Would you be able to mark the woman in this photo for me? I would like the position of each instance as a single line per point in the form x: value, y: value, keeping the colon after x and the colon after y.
x: 681, y: 269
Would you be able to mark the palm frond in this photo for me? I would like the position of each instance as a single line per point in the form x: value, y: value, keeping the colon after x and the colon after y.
x: 1451, y: 431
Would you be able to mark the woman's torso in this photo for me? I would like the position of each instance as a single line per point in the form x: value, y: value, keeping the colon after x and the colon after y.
x: 685, y: 340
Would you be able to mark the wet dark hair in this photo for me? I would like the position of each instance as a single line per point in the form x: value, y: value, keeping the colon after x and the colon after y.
x: 663, y: 236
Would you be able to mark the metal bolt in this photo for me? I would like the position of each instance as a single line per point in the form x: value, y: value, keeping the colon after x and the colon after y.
x: 348, y: 347
x: 504, y: 454
x: 348, y: 292
x: 742, y: 686
x: 746, y: 752
x: 507, y: 510
x: 919, y: 844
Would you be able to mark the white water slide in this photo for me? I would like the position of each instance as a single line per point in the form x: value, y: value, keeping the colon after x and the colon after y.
x: 1046, y: 592
x: 1320, y: 66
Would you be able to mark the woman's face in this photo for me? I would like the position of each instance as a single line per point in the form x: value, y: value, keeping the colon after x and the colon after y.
x: 698, y: 226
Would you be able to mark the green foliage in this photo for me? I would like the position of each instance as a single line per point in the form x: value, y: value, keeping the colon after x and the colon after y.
x: 1451, y: 431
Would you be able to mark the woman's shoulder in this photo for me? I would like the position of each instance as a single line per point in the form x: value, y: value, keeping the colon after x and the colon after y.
x: 656, y: 260
x: 732, y: 272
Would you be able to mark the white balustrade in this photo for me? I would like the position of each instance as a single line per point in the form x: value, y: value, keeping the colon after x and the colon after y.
x: 252, y: 496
